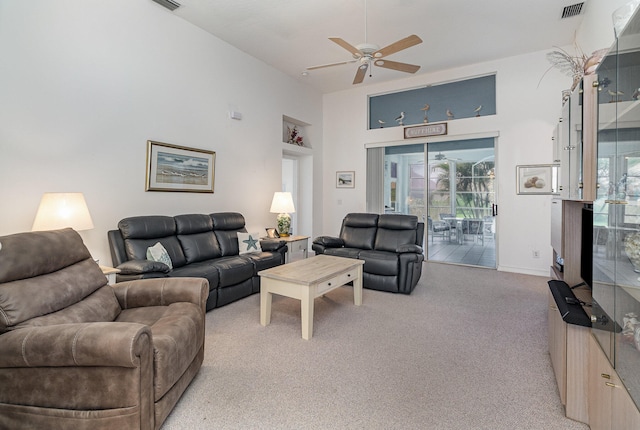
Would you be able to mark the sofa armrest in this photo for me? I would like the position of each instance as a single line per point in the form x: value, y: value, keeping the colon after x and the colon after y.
x: 329, y: 241
x: 272, y: 245
x: 140, y: 267
x: 115, y: 344
x: 162, y: 292
x: 409, y: 248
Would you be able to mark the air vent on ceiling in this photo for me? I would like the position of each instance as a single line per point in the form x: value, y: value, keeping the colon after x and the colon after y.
x: 573, y: 10
x: 169, y: 4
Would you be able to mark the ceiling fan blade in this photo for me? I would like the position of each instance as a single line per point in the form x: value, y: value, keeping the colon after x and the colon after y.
x: 355, y: 51
x: 322, y: 66
x: 401, y: 44
x: 394, y: 65
x: 360, y: 73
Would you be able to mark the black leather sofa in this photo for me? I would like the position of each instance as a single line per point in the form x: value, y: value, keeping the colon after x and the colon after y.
x: 390, y: 245
x: 199, y: 245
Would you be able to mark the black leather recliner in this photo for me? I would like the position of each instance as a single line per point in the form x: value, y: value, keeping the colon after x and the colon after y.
x: 199, y: 245
x: 390, y: 245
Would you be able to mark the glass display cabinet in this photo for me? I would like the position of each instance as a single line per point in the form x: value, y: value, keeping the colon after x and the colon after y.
x: 576, y: 142
x: 616, y: 214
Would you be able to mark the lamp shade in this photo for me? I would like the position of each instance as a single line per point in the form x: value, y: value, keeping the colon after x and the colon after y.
x: 61, y: 210
x: 282, y: 203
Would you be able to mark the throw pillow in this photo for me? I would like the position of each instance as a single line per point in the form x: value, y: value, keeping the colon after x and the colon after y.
x: 157, y: 252
x: 249, y: 242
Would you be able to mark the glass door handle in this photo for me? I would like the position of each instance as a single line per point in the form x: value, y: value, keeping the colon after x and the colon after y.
x: 494, y: 209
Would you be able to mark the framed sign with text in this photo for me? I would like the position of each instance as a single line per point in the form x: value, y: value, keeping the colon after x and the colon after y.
x: 425, y: 130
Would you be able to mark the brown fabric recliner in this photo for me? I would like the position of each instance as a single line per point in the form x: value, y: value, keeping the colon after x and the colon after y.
x: 78, y: 353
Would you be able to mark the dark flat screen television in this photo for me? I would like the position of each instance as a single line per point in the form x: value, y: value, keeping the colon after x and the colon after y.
x: 586, y: 250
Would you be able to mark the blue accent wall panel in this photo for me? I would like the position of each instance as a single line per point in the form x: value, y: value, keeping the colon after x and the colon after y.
x: 460, y: 97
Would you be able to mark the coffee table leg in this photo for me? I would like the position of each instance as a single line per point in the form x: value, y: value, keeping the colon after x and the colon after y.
x: 357, y: 288
x: 265, y: 305
x: 306, y: 313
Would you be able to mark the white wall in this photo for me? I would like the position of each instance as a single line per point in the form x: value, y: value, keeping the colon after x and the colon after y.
x: 526, y: 116
x: 84, y: 85
x: 528, y: 108
x: 596, y: 31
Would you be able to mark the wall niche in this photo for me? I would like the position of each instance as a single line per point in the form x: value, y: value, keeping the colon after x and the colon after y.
x: 294, y: 132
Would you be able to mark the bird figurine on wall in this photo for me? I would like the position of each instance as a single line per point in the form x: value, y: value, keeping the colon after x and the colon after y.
x: 477, y: 110
x: 615, y: 96
x: 400, y: 118
x: 636, y: 94
x: 381, y: 122
x: 449, y: 115
x: 425, y: 109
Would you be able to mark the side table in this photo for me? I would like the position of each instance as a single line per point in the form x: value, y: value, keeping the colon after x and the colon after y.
x: 110, y: 273
x: 296, y: 243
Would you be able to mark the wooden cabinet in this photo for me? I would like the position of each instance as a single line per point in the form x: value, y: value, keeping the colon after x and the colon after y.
x: 569, y: 351
x: 610, y: 406
x: 598, y: 367
x: 558, y: 348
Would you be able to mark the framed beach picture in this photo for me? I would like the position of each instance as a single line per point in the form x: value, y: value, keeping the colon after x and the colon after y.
x: 535, y: 179
x: 346, y: 179
x: 178, y: 168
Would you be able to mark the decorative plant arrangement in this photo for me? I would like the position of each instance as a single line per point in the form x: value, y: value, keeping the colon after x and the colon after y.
x: 575, y: 66
x: 294, y: 136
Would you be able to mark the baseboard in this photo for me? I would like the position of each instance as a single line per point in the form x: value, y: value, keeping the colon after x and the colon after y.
x: 524, y: 271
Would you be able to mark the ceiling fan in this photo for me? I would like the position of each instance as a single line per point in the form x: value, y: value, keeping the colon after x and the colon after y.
x: 367, y: 53
x: 441, y: 157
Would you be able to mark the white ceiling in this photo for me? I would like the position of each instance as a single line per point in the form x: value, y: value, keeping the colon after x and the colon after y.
x: 291, y: 35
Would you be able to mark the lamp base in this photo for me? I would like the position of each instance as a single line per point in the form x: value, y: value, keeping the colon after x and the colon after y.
x: 284, y: 224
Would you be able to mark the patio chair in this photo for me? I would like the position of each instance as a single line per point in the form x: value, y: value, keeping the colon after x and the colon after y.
x: 451, y: 220
x: 488, y: 228
x: 473, y: 227
x: 438, y: 228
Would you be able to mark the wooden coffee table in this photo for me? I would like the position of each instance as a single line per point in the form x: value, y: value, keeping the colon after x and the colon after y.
x: 307, y: 279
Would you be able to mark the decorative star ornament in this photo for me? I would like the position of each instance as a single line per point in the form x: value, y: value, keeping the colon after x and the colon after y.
x: 251, y: 243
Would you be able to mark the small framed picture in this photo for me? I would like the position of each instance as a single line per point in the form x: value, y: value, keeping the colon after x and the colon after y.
x: 272, y: 233
x: 346, y: 179
x: 535, y: 179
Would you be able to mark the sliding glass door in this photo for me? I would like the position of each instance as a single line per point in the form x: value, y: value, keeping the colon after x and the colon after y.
x: 450, y: 187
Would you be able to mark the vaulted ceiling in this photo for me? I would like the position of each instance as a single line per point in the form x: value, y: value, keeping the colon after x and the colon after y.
x: 292, y: 35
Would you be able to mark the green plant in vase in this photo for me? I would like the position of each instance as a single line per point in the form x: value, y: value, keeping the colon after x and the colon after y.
x: 284, y: 224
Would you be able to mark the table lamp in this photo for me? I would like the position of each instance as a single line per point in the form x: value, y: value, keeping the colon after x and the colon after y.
x: 61, y: 210
x: 282, y: 204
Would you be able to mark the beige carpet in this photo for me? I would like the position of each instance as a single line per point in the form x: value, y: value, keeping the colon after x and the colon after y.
x: 466, y: 350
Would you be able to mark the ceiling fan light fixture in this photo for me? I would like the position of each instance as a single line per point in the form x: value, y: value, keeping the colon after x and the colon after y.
x: 367, y: 53
x: 367, y: 48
